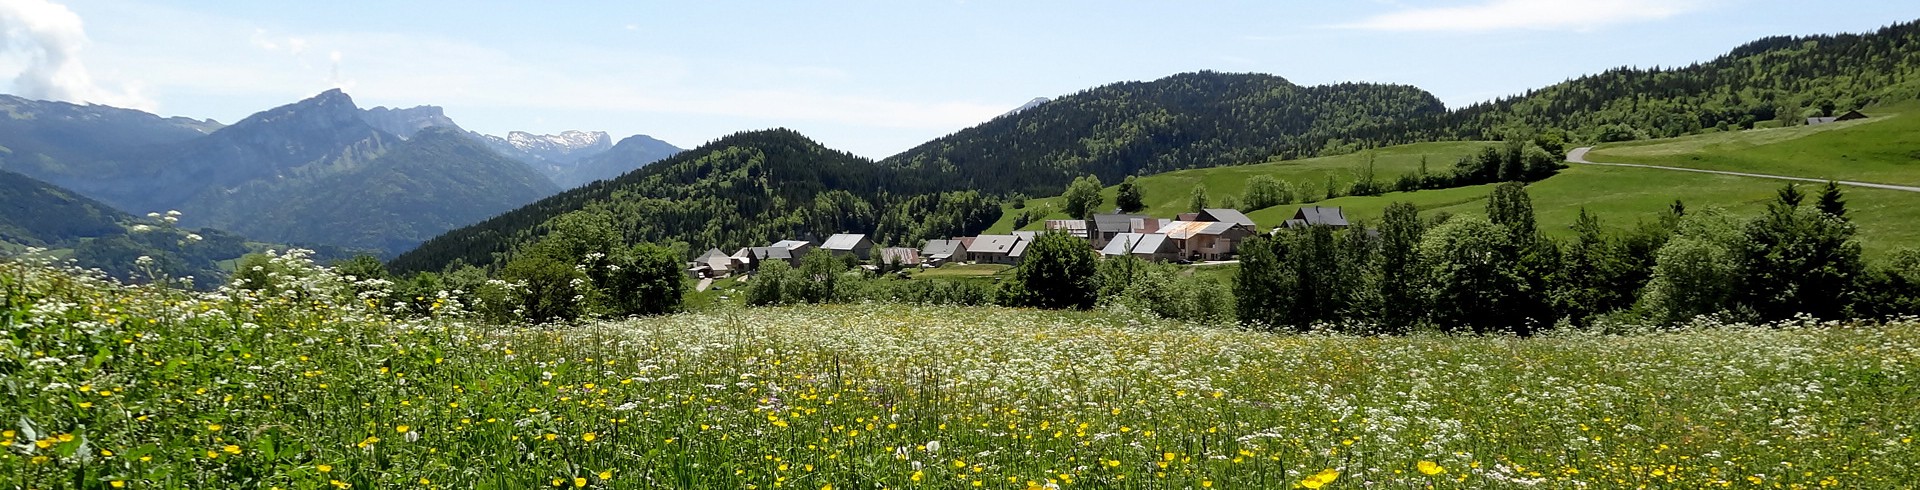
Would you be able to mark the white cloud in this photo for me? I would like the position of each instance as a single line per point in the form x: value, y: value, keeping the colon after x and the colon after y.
x: 1493, y: 15
x: 48, y: 38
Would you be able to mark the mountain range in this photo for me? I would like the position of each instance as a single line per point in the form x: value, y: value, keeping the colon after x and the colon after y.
x: 319, y: 171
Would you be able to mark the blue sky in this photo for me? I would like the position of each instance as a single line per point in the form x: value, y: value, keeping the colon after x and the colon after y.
x: 871, y: 77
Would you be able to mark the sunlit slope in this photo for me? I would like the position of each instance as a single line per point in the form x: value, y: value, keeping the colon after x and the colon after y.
x: 1884, y: 148
x: 1169, y: 193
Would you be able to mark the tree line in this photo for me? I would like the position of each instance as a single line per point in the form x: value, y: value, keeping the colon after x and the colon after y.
x: 1500, y: 274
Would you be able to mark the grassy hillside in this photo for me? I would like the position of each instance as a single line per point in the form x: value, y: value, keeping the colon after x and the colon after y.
x: 145, y: 388
x: 1168, y: 193
x: 1885, y: 148
x: 1882, y: 149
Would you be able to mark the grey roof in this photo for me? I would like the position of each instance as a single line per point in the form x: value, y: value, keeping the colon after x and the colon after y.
x: 711, y: 253
x: 1226, y: 216
x: 1026, y: 235
x: 1143, y: 243
x: 763, y: 253
x: 1020, y: 248
x: 940, y: 249
x: 791, y: 244
x: 843, y: 241
x: 1820, y: 120
x: 993, y: 244
x: 1115, y: 223
x: 1317, y: 215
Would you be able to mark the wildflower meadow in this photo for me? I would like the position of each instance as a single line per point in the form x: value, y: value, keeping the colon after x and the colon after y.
x: 318, y: 384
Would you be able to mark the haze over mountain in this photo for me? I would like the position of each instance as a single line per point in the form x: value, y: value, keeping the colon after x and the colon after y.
x: 563, y: 158
x: 630, y: 153
x: 282, y: 175
x: 71, y: 145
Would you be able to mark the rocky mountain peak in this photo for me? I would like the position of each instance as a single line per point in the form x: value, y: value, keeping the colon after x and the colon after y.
x: 407, y: 122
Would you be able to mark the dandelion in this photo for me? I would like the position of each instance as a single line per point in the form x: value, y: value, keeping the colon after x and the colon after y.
x: 1320, y: 479
x: 587, y: 437
x: 579, y: 482
x: 1429, y: 468
x: 325, y: 468
x: 402, y: 429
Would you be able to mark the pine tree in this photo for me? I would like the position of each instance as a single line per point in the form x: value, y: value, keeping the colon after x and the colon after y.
x: 1589, y: 280
x: 1797, y: 261
x: 1830, y: 203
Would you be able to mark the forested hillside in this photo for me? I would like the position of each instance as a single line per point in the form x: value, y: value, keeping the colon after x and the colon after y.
x: 38, y: 214
x: 1777, y: 80
x: 1210, y: 119
x: 745, y: 189
x: 96, y: 236
x: 1188, y: 120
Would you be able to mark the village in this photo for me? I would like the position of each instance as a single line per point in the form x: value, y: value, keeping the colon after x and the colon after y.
x: 1210, y: 235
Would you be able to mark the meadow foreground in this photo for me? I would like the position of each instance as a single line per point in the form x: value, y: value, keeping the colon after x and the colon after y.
x: 310, y: 385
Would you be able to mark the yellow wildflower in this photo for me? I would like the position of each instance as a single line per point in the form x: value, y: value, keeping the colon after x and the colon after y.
x: 1320, y: 479
x: 1430, y: 468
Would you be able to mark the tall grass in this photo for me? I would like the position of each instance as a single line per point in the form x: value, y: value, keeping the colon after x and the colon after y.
x: 310, y: 385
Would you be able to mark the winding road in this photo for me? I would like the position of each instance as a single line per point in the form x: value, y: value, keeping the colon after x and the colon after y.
x: 1579, y: 155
